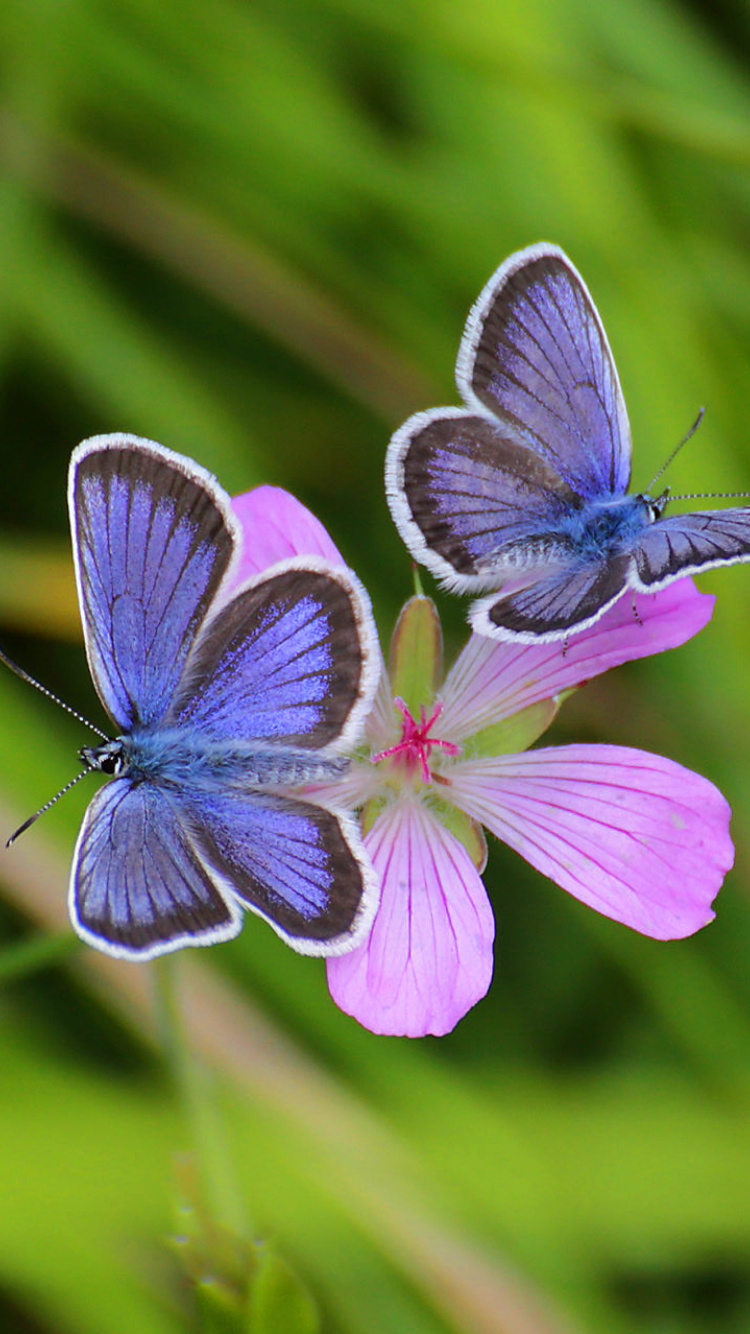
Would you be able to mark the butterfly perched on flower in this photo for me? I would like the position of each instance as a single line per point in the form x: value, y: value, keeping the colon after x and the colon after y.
x: 225, y: 698
x: 524, y: 490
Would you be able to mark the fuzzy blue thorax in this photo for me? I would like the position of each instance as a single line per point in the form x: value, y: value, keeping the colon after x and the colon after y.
x: 604, y: 527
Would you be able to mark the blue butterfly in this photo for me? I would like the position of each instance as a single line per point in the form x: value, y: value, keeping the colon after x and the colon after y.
x: 524, y: 490
x: 222, y: 701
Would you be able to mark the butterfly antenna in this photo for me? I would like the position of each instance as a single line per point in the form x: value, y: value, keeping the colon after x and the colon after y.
x: 713, y: 495
x: 19, y: 671
x: 28, y: 823
x: 675, y: 452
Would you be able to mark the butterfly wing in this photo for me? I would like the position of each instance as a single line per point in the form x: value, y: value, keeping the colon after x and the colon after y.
x: 153, y: 538
x: 287, y: 666
x: 553, y: 606
x: 535, y: 355
x: 474, y: 504
x: 138, y: 887
x: 479, y: 492
x: 686, y: 543
x: 155, y: 869
x: 289, y: 662
x: 300, y: 866
x: 291, y: 659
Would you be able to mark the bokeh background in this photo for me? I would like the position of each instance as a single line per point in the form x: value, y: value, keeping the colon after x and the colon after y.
x: 252, y: 230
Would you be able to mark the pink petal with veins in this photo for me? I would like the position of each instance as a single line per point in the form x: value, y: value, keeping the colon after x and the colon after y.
x: 428, y: 958
x: 633, y: 835
x: 492, y: 679
x: 276, y: 526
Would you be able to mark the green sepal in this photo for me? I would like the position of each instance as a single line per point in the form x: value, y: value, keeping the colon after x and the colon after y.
x: 513, y: 734
x: 415, y: 664
x: 566, y: 694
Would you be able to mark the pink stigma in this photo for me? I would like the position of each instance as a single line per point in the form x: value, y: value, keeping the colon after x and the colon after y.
x: 416, y: 743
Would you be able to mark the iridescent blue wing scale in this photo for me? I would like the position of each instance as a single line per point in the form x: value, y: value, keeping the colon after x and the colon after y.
x: 289, y: 659
x: 155, y: 869
x: 138, y: 887
x: 153, y: 537
x: 290, y: 662
x: 687, y: 543
x: 300, y: 866
x: 481, y: 503
x: 550, y: 606
x: 535, y: 356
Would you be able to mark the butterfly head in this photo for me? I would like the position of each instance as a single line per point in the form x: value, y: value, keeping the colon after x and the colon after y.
x: 109, y: 758
x: 657, y: 504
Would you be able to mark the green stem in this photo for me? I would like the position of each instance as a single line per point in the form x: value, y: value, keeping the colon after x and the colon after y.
x: 196, y: 1091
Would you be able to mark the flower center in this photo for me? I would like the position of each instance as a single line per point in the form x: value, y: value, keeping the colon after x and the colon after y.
x: 416, y: 743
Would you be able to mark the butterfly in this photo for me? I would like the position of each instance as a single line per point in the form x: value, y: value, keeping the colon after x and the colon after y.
x: 222, y: 701
x: 524, y: 491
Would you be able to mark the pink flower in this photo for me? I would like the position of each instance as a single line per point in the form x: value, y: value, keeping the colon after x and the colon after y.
x: 640, y: 838
x: 277, y: 526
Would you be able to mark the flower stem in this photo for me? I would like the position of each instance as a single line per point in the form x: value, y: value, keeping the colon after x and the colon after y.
x: 195, y: 1089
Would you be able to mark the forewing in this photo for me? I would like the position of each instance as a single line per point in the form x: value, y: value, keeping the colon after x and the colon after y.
x: 138, y: 888
x: 153, y: 537
x: 535, y: 355
x: 686, y: 543
x: 290, y: 659
x: 301, y: 867
x: 554, y: 607
x: 469, y: 500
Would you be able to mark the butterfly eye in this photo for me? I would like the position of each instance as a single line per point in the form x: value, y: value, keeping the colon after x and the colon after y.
x: 108, y: 759
x: 656, y: 507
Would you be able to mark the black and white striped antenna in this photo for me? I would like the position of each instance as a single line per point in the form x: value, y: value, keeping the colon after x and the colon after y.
x: 675, y: 452
x: 19, y: 671
x: 28, y: 823
x: 694, y: 495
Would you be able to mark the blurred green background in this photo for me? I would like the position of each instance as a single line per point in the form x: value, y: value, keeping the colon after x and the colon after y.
x: 253, y: 231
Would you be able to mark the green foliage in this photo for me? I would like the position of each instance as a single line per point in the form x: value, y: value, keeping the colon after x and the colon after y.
x: 253, y: 232
x: 237, y: 1286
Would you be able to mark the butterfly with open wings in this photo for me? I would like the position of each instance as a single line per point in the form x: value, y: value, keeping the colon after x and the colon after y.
x: 524, y: 490
x: 225, y: 699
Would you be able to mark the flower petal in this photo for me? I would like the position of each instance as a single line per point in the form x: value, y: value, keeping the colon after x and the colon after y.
x: 491, y: 680
x: 633, y: 835
x: 428, y: 958
x: 276, y: 526
x: 359, y: 784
